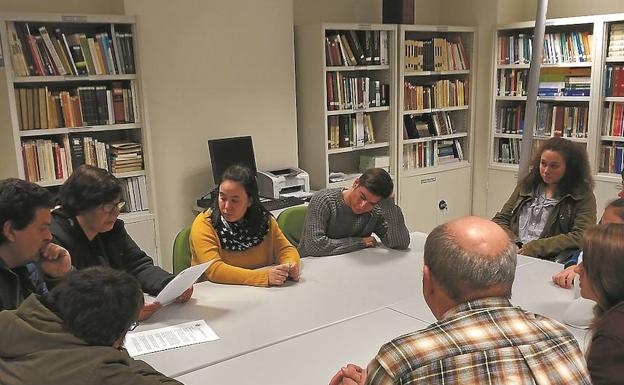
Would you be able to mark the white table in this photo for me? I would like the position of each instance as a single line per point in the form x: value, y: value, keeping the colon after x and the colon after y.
x: 332, y: 289
x: 312, y: 358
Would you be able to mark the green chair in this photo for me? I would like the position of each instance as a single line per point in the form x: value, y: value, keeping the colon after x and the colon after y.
x: 182, y: 250
x: 291, y: 222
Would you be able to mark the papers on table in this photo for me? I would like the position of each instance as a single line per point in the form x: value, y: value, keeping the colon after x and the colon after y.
x: 181, y: 282
x: 169, y: 337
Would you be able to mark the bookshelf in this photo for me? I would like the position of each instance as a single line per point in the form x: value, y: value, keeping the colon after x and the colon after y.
x: 435, y: 123
x: 71, y: 95
x: 346, y: 100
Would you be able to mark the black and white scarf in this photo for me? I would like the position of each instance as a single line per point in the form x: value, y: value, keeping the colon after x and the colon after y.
x: 239, y: 236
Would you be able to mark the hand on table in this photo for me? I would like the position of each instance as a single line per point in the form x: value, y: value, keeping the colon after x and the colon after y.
x: 184, y: 297
x: 565, y: 278
x: 349, y: 375
x: 55, y: 260
x: 370, y: 241
x: 293, y: 271
x: 148, y: 309
x: 278, y: 274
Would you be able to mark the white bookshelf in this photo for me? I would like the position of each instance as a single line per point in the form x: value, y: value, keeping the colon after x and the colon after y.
x: 14, y: 132
x: 314, y: 114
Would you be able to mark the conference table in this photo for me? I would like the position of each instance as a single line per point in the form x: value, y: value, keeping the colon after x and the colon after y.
x: 342, y: 310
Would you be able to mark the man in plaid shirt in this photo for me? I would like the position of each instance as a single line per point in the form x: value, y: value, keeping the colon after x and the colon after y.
x: 480, y: 338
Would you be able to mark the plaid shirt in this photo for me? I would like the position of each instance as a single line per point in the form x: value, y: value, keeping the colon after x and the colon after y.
x: 486, y: 341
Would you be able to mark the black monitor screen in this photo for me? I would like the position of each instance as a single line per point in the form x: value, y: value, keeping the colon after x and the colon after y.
x: 229, y: 151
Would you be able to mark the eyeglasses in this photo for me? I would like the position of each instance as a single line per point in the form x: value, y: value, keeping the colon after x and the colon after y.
x: 110, y: 207
x: 133, y: 326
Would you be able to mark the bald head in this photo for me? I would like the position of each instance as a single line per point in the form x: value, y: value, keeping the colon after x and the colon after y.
x: 471, y: 257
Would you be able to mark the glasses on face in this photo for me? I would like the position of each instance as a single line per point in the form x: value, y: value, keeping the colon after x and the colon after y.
x: 110, y: 207
x: 133, y: 326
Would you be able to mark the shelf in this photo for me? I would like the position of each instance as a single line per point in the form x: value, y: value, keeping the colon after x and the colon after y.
x: 511, y: 98
x: 58, y: 182
x: 519, y: 136
x: 360, y: 148
x: 436, y: 73
x: 374, y: 67
x: 619, y: 59
x: 545, y: 65
x: 504, y: 166
x: 612, y: 138
x: 550, y: 98
x: 619, y: 99
x: 61, y: 131
x: 406, y: 173
x: 432, y: 138
x: 431, y: 110
x: 512, y: 66
x: 609, y: 177
x: 62, y: 79
x: 347, y: 182
x: 369, y: 109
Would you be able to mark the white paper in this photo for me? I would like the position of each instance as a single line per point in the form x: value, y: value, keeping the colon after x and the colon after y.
x: 170, y: 337
x: 181, y: 282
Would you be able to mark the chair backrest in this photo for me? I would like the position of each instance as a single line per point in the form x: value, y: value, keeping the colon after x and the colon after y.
x: 291, y: 222
x: 182, y: 250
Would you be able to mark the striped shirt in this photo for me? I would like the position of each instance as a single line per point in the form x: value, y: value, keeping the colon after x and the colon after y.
x: 331, y: 227
x: 485, y: 341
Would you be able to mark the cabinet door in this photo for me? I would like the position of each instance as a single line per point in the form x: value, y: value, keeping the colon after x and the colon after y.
x: 454, y: 198
x: 418, y: 202
x: 500, y: 186
x: 144, y: 234
x: 605, y: 192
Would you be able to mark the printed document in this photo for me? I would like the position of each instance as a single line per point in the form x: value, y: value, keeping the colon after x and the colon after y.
x: 170, y: 337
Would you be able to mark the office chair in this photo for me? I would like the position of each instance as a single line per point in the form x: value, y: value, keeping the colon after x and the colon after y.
x: 182, y: 250
x: 291, y: 222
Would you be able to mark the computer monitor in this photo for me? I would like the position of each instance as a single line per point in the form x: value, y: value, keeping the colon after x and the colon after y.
x: 228, y: 151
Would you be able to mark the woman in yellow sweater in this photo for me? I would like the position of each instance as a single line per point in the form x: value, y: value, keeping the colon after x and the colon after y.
x: 241, y: 236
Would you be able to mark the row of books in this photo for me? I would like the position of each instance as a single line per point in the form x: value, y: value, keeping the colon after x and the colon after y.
x: 134, y: 193
x: 613, y: 120
x: 442, y: 93
x: 512, y: 82
x: 352, y: 48
x: 564, y: 47
x: 38, y: 52
x: 437, y: 54
x: 507, y: 150
x: 42, y: 108
x: 48, y: 160
x: 614, y: 81
x: 510, y: 119
x: 564, y: 121
x: 565, y: 82
x: 424, y: 126
x: 430, y: 154
x: 346, y: 92
x: 616, y: 41
x: 350, y: 130
x: 612, y: 158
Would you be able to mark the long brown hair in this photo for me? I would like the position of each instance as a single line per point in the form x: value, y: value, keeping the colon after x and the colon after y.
x: 577, y: 176
x: 603, y: 262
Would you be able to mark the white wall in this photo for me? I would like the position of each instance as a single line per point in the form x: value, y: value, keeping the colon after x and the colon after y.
x: 63, y: 6
x: 213, y: 69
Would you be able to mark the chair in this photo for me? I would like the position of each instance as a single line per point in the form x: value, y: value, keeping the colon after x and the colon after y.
x: 291, y: 223
x: 182, y: 250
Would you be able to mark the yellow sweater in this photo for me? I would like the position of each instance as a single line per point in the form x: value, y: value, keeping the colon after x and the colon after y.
x: 236, y: 267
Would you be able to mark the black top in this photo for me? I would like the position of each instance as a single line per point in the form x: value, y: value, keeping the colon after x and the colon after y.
x: 15, y: 286
x: 113, y: 248
x: 605, y: 359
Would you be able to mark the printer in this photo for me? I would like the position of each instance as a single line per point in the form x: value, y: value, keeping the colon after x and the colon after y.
x: 291, y: 181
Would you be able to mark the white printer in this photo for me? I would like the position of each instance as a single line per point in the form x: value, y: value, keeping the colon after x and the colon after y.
x: 291, y: 181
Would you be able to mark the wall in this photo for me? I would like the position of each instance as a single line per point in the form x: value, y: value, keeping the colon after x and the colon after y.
x: 63, y: 6
x: 213, y: 69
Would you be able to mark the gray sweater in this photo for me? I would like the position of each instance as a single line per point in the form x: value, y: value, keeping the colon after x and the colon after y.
x: 332, y: 228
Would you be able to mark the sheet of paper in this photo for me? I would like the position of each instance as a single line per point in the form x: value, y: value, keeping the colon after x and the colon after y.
x: 181, y: 282
x: 170, y: 337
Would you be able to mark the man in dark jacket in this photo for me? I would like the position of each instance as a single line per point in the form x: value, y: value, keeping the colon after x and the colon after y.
x: 74, y: 333
x: 29, y: 263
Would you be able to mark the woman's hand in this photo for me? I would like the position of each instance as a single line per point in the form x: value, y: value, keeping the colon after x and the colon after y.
x: 148, y: 309
x: 278, y: 275
x: 565, y: 278
x: 293, y: 271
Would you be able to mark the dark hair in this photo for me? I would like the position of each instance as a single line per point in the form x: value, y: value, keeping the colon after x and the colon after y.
x: 377, y: 181
x: 19, y: 201
x: 87, y: 188
x: 97, y: 304
x: 577, y: 175
x: 256, y: 213
x: 603, y: 262
x: 617, y: 206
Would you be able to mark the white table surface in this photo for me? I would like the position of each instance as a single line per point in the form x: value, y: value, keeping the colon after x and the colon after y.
x: 312, y: 358
x: 332, y: 289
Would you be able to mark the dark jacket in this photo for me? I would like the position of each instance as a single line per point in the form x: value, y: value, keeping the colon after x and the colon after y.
x: 35, y: 349
x: 564, y: 228
x: 605, y: 359
x: 113, y: 248
x: 15, y: 286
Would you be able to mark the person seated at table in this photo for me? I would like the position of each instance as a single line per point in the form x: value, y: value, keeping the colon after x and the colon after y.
x: 29, y: 263
x: 613, y: 213
x: 480, y: 337
x: 87, y: 224
x: 241, y: 236
x: 74, y: 333
x: 340, y: 220
x: 552, y: 206
x: 601, y: 281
